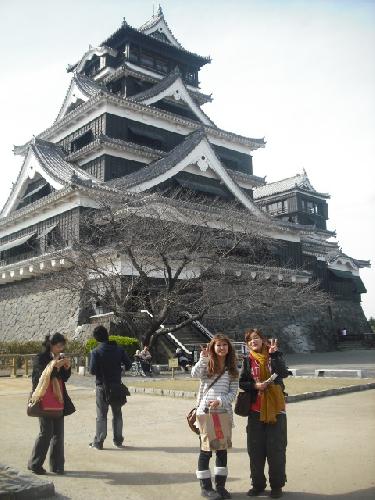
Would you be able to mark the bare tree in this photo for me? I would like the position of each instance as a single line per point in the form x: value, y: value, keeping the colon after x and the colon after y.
x: 177, y: 259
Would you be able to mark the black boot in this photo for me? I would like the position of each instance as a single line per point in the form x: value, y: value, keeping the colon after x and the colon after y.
x: 220, y: 487
x: 207, y: 491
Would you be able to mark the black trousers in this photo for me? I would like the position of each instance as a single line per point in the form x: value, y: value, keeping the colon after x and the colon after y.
x: 267, y: 442
x: 204, y: 459
x: 51, y: 436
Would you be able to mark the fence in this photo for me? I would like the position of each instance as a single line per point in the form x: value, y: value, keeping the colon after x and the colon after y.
x: 20, y: 365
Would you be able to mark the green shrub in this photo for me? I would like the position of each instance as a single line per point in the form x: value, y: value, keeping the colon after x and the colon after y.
x: 35, y: 346
x: 129, y: 344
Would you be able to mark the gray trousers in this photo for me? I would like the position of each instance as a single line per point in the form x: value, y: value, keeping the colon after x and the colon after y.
x: 267, y: 442
x: 101, y: 419
x: 51, y: 436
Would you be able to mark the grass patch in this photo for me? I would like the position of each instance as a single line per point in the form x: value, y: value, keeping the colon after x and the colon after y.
x: 293, y: 385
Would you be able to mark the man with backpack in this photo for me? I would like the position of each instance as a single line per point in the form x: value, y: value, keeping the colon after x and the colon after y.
x: 106, y: 364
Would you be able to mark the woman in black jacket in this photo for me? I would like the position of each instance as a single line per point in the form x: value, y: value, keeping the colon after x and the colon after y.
x: 51, y: 429
x: 262, y: 376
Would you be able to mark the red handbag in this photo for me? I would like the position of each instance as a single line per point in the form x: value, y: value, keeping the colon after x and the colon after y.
x: 49, y: 406
x: 50, y: 401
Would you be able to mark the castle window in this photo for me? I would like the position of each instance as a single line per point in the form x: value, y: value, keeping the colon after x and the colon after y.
x: 309, y: 207
x: 144, y: 139
x: 19, y: 249
x: 161, y: 65
x: 277, y: 207
x: 147, y: 59
x: 133, y: 53
x: 81, y: 141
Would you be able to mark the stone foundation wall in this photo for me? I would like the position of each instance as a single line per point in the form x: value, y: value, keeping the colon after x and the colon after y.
x: 33, y: 308
x: 305, y: 332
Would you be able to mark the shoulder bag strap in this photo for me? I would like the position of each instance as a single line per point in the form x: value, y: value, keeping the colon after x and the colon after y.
x: 211, y: 385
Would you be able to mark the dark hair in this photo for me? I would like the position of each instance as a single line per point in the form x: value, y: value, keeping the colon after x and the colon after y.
x: 255, y: 331
x: 230, y: 359
x: 100, y: 333
x: 54, y: 339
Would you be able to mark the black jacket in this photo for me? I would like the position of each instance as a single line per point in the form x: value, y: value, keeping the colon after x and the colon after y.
x: 40, y: 362
x: 247, y: 382
x: 106, y: 361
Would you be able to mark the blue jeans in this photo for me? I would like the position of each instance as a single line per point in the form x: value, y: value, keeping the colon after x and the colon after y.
x: 101, y: 419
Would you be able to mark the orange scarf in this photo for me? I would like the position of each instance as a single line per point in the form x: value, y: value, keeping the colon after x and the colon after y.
x: 272, y: 400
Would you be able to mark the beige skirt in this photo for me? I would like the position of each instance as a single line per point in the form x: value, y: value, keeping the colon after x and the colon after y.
x: 215, y: 431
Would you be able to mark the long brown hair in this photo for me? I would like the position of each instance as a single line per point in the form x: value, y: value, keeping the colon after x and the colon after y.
x: 230, y: 359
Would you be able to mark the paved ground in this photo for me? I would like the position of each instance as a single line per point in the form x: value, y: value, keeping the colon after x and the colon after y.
x: 330, y: 453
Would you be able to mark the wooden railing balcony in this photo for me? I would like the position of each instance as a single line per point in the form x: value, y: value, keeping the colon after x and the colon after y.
x: 20, y: 257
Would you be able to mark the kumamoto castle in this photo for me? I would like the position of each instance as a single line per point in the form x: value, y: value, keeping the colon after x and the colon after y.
x: 133, y: 113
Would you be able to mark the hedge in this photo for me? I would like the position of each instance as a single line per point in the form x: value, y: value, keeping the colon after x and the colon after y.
x: 35, y: 346
x: 129, y: 344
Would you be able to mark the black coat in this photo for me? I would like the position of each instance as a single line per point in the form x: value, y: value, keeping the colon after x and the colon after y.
x: 40, y: 362
x: 106, y: 363
x: 247, y: 382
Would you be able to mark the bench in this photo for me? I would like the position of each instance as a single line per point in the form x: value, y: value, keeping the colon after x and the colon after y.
x: 320, y: 372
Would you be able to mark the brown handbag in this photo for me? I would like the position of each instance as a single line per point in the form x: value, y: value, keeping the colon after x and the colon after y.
x: 243, y: 404
x: 191, y: 417
x: 34, y: 409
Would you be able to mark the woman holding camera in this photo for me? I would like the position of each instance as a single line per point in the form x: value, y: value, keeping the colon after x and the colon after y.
x: 262, y: 376
x: 51, y: 429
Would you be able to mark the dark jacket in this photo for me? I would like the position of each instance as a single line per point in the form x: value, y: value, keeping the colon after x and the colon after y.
x: 247, y: 382
x: 106, y: 361
x: 40, y: 362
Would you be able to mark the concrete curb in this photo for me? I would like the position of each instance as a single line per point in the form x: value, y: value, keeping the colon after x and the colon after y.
x: 330, y: 392
x: 15, y: 485
x: 290, y: 399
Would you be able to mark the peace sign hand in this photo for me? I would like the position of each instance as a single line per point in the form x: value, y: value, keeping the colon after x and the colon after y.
x: 273, y: 347
x: 204, y: 351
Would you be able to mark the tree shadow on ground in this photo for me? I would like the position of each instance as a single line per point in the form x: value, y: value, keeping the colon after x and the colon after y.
x: 365, y: 494
x: 173, y: 449
x: 135, y: 478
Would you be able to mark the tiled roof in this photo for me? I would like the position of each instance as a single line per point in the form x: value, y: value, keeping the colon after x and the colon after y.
x: 53, y: 160
x: 163, y: 164
x: 126, y: 69
x: 154, y: 21
x: 158, y: 87
x: 88, y: 86
x: 125, y: 26
x: 119, y: 144
x: 299, y: 181
x: 163, y: 85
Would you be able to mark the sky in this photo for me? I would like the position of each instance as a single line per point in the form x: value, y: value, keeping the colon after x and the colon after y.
x: 299, y: 73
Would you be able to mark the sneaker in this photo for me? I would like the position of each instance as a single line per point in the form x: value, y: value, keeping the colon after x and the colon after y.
x: 276, y: 493
x: 118, y: 445
x: 60, y: 472
x: 96, y: 446
x: 38, y: 471
x: 254, y: 492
